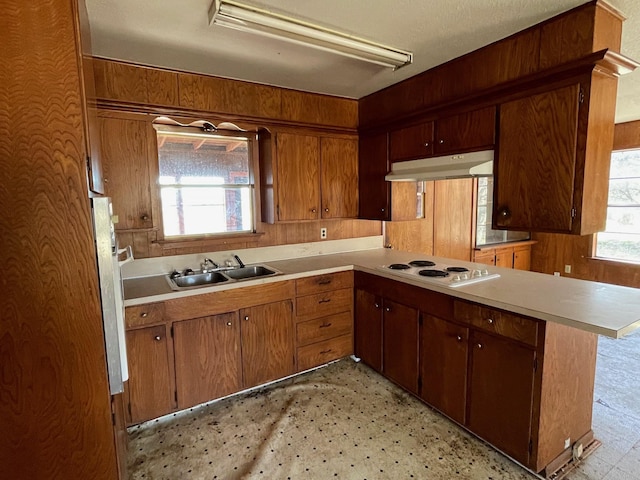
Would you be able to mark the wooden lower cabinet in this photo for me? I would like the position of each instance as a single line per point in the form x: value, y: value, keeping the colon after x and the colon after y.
x: 368, y: 328
x: 150, y: 387
x: 516, y: 255
x: 443, y: 371
x: 208, y: 358
x: 400, y: 344
x: 267, y: 342
x: 501, y: 382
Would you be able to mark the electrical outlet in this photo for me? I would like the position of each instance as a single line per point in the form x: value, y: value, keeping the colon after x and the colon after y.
x: 323, y: 233
x: 567, y: 269
x: 557, y: 274
x: 567, y: 443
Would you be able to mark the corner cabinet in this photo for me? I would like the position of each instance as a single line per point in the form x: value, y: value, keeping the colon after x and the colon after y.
x: 315, y: 177
x: 554, y: 151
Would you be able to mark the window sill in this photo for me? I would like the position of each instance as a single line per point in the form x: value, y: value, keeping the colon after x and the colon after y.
x: 614, y: 261
x: 205, y: 240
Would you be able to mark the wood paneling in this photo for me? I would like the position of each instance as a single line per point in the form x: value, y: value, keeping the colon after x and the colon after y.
x: 150, y: 385
x: 415, y: 235
x: 626, y: 135
x: 55, y: 408
x: 400, y: 344
x: 452, y: 224
x: 533, y: 130
x: 162, y: 87
x: 313, y: 108
x: 444, y: 352
x: 267, y: 342
x: 297, y: 177
x: 322, y: 352
x: 208, y: 358
x: 339, y: 177
x: 120, y: 81
x: 368, y: 328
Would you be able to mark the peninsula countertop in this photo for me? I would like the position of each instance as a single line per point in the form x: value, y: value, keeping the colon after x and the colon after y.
x: 600, y: 308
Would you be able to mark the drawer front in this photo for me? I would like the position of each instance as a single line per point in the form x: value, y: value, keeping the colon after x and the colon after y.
x: 495, y: 321
x: 323, y: 352
x: 324, y: 328
x: 324, y: 283
x: 323, y: 304
x: 144, y: 315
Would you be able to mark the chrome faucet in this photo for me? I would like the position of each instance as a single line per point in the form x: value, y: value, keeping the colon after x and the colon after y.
x: 208, y: 265
x: 240, y: 263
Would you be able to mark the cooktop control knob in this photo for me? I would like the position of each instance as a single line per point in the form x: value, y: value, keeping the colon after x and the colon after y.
x: 464, y: 276
x: 455, y: 278
x: 484, y: 272
x: 476, y: 273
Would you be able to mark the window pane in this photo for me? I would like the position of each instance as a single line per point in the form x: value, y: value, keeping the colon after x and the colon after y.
x: 625, y: 164
x: 623, y: 220
x: 623, y: 191
x: 621, y: 246
x: 197, y: 177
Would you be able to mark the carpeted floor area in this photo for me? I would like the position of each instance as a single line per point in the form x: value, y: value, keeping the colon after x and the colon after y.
x: 342, y: 421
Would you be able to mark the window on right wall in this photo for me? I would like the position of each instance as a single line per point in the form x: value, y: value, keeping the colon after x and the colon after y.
x: 621, y: 238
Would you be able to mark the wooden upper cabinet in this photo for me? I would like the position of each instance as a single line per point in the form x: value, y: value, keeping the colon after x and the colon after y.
x: 305, y: 107
x: 267, y: 342
x: 126, y: 143
x: 339, y: 177
x: 466, y: 132
x: 208, y: 358
x: 150, y: 388
x: 536, y: 163
x: 411, y: 143
x: 453, y: 218
x: 373, y: 164
x: 297, y: 177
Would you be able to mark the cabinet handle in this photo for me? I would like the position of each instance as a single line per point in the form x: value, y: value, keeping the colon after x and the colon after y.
x: 229, y: 324
x: 504, y: 213
x: 314, y: 210
x: 325, y: 351
x: 324, y: 300
x: 479, y: 345
x: 490, y: 321
x: 325, y: 325
x: 324, y: 282
x: 246, y: 318
x: 144, y: 217
x: 144, y: 315
x: 157, y: 338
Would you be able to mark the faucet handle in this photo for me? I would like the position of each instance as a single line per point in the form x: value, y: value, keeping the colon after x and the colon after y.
x: 204, y: 266
x: 240, y: 263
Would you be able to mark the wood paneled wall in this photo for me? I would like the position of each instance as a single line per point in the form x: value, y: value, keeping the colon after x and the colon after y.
x: 55, y: 410
x: 553, y: 252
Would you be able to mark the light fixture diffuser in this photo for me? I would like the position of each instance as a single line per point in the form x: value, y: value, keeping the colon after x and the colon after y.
x: 246, y: 18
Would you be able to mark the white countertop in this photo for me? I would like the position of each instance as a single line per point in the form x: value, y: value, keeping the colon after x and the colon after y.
x: 600, y: 308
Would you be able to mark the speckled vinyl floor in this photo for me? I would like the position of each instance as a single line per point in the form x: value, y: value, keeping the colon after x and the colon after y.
x: 342, y: 421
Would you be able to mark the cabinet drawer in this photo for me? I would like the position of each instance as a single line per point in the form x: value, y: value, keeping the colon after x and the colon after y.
x: 323, y: 304
x: 323, y: 352
x: 144, y: 314
x: 324, y: 283
x: 323, y: 328
x: 495, y: 321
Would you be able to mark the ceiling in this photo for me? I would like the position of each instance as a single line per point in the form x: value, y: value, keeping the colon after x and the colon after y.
x: 176, y: 34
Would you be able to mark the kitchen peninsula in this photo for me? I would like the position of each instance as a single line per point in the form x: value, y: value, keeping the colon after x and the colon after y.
x: 512, y: 358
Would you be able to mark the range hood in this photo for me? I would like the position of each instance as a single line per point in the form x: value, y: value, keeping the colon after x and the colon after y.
x: 463, y: 165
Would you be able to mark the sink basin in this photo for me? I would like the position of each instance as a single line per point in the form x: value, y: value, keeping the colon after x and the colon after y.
x: 196, y: 280
x: 246, y: 273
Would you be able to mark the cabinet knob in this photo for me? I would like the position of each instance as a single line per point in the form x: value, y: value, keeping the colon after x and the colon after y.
x: 377, y: 305
x: 388, y: 309
x: 144, y: 315
x: 246, y: 318
x: 426, y: 144
x: 479, y: 345
x: 144, y: 217
x: 459, y: 338
x: 157, y: 338
x: 314, y: 210
x: 325, y: 325
x: 490, y: 321
x: 504, y: 213
x: 229, y: 324
x: 326, y: 209
x: 323, y: 352
x: 440, y: 141
x: 324, y: 282
x: 382, y: 210
x: 324, y: 300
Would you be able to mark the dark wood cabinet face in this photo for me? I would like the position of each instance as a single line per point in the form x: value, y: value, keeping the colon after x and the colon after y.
x: 411, y: 142
x: 466, y: 132
x: 400, y: 344
x: 501, y: 393
x: 207, y: 356
x: 536, y: 162
x: 373, y: 190
x: 443, y: 369
x: 368, y: 329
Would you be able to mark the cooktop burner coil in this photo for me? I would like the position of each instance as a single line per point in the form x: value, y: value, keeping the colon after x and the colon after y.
x: 422, y: 263
x: 433, y: 273
x: 399, y: 266
x: 457, y: 269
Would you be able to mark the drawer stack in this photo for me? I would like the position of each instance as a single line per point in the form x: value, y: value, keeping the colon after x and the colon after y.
x: 324, y: 319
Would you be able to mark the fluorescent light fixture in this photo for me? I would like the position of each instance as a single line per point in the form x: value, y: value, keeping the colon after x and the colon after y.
x: 246, y: 18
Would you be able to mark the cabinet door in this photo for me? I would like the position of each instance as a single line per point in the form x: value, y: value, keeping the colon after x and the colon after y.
x: 267, y: 342
x: 411, y: 142
x: 452, y: 218
x: 486, y: 258
x: 373, y: 190
x: 535, y: 171
x: 504, y: 257
x: 466, y: 132
x: 400, y: 344
x: 501, y: 393
x: 125, y: 166
x: 444, y: 366
x: 298, y: 181
x: 339, y: 177
x: 150, y: 388
x: 522, y: 258
x: 208, y: 362
x: 368, y: 329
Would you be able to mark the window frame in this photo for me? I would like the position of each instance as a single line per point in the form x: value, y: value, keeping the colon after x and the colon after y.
x: 163, y: 124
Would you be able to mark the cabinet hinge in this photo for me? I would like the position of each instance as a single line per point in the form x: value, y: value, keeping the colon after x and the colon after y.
x: 581, y: 95
x: 573, y: 212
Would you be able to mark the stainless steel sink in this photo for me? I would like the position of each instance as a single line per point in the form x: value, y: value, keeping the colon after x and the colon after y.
x: 196, y: 280
x: 249, y: 272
